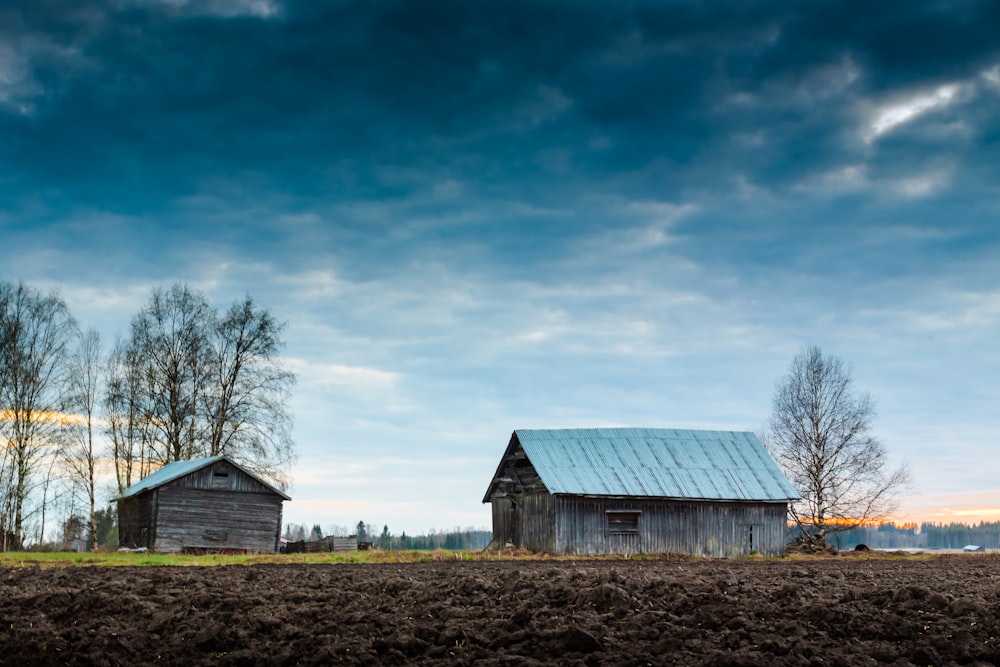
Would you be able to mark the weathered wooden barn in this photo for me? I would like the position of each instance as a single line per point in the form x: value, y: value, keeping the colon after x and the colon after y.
x: 210, y: 504
x: 636, y: 490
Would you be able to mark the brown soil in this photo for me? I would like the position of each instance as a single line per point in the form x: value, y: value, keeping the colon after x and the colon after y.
x: 831, y: 611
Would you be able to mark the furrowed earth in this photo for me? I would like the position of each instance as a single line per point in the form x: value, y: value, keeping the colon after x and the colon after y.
x: 827, y: 611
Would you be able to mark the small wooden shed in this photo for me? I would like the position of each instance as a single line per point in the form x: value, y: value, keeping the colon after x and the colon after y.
x: 210, y: 504
x: 637, y: 490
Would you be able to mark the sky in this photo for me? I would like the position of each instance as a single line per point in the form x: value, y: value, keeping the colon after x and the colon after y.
x: 475, y: 217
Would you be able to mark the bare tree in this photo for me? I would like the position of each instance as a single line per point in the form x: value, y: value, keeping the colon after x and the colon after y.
x: 203, y: 384
x: 7, y: 337
x: 82, y: 455
x: 125, y: 422
x: 169, y: 341
x: 36, y: 330
x: 246, y: 407
x: 821, y: 435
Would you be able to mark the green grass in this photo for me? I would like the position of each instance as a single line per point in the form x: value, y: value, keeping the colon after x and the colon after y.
x: 114, y: 558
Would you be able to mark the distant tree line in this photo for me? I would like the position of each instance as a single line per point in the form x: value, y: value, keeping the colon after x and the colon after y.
x: 456, y: 539
x: 922, y: 536
x: 75, y: 531
x: 186, y: 381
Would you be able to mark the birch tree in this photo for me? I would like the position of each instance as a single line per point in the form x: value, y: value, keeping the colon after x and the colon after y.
x: 821, y: 435
x: 169, y: 340
x: 246, y: 409
x: 83, y: 453
x: 192, y: 382
x: 36, y: 330
x: 125, y: 422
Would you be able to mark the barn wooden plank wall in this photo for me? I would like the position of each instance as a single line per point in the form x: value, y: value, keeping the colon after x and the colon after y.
x: 205, y: 519
x: 575, y: 525
x: 713, y: 529
x: 222, y: 476
x: 524, y: 520
x: 538, y: 523
x: 503, y: 529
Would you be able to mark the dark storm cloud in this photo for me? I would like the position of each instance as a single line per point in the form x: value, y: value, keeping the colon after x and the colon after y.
x: 898, y: 42
x: 131, y: 105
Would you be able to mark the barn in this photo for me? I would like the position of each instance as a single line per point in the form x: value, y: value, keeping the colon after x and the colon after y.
x: 210, y: 504
x: 638, y: 490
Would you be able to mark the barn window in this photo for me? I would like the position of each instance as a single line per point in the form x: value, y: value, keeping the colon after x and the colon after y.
x: 623, y: 522
x: 220, y: 479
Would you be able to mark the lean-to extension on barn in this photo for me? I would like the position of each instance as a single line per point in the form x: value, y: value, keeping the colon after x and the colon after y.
x: 210, y: 504
x: 639, y: 490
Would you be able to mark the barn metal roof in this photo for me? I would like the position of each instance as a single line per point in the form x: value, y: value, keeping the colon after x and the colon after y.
x: 671, y: 463
x: 178, y: 469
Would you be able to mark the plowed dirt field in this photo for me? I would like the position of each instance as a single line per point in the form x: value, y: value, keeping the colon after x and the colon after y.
x: 830, y: 611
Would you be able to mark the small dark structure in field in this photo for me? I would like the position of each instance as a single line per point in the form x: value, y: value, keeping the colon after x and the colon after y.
x: 327, y: 544
x: 202, y: 505
x: 634, y: 490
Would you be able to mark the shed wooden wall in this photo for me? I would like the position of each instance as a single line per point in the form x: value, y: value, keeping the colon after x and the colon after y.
x: 216, y: 508
x: 221, y: 476
x: 223, y: 520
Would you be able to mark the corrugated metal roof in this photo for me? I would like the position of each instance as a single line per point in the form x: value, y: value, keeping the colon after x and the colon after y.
x: 653, y: 462
x: 178, y: 469
x: 169, y: 473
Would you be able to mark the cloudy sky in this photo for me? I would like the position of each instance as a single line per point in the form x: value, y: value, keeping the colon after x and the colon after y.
x: 476, y: 217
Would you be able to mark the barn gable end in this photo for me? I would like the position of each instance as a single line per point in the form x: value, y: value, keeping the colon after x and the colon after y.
x: 522, y: 506
x: 597, y: 491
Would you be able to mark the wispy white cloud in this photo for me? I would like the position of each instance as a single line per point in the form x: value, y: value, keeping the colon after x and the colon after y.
x: 892, y: 235
x: 907, y: 107
x: 827, y: 83
x: 862, y: 178
x: 357, y: 377
x: 20, y: 88
x: 920, y: 185
x: 992, y: 77
x: 658, y: 219
x: 840, y: 180
x: 960, y: 311
x: 313, y: 285
x: 221, y: 8
x: 833, y: 78
x: 901, y: 111
x: 640, y: 225
x: 17, y: 88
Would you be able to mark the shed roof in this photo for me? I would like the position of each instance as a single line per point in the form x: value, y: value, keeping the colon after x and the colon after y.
x: 654, y: 463
x: 178, y: 469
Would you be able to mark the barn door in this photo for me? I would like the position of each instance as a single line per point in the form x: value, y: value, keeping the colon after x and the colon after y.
x: 623, y: 531
x: 754, y: 538
x: 513, y: 525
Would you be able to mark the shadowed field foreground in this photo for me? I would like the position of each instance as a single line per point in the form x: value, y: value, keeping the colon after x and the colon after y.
x: 845, y: 611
